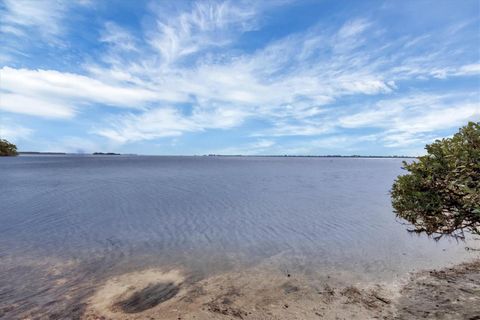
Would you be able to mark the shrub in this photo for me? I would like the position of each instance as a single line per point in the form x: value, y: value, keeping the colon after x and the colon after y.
x: 441, y: 194
x: 7, y: 148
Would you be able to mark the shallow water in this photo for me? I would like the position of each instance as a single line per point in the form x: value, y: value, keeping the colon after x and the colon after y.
x: 68, y: 222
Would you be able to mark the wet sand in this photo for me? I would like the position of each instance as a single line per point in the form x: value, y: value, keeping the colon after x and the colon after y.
x: 450, y: 293
x: 262, y: 293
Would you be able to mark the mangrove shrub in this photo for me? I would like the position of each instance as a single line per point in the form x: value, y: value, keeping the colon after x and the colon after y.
x: 441, y: 193
x: 7, y: 148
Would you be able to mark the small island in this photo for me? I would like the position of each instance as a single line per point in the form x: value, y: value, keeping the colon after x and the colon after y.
x: 7, y: 149
x: 105, y: 154
x: 39, y: 153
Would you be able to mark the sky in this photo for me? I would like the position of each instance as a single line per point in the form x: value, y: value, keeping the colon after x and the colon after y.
x: 237, y: 77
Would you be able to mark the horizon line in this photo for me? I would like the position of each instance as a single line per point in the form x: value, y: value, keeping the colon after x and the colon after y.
x: 212, y: 155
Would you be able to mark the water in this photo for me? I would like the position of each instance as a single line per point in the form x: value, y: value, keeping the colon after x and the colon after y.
x: 67, y: 222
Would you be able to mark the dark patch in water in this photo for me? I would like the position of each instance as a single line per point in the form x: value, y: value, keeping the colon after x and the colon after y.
x: 289, y: 288
x: 148, y: 297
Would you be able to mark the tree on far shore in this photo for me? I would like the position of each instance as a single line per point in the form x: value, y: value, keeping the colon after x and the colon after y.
x: 441, y: 194
x: 7, y: 148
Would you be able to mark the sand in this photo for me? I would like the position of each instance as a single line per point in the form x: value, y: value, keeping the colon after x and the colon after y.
x: 451, y: 293
x: 263, y: 293
x: 136, y: 292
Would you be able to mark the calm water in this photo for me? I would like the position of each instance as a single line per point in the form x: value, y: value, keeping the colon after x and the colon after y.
x: 74, y: 220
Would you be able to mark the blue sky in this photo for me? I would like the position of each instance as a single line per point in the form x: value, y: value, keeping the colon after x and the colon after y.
x: 237, y: 77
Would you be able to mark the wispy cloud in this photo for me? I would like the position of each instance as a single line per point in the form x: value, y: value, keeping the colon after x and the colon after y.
x: 206, y: 24
x: 168, y: 122
x: 46, y: 18
x: 22, y: 16
x: 270, y: 83
x: 413, y: 119
x: 35, y: 24
x: 258, y: 147
x: 118, y: 37
x: 14, y: 132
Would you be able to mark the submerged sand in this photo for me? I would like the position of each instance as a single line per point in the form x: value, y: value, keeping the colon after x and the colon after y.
x: 263, y: 293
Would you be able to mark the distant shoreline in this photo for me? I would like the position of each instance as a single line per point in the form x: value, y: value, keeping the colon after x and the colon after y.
x: 40, y: 153
x: 35, y: 153
x: 305, y: 156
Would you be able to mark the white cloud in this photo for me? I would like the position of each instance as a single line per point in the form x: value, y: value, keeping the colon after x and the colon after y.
x: 50, y: 93
x: 341, y: 141
x: 22, y: 18
x: 168, y: 122
x: 258, y: 147
x: 302, y: 128
x: 153, y: 124
x: 353, y: 28
x: 396, y: 139
x: 118, y: 37
x: 207, y: 24
x: 18, y: 103
x: 440, y: 117
x: 332, y: 143
x: 42, y: 16
x: 414, y: 119
x: 39, y: 24
x: 14, y: 132
x: 44, y: 83
x: 469, y: 69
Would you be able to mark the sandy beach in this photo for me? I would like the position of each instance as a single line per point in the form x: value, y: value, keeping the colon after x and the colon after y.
x: 259, y: 293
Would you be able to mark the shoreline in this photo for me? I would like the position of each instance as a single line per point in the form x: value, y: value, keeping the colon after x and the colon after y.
x: 260, y: 293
